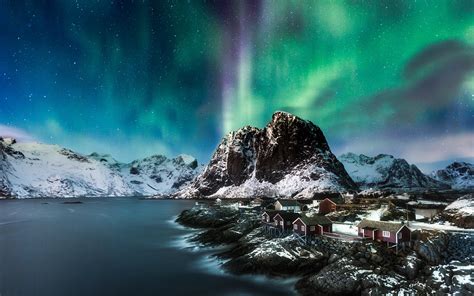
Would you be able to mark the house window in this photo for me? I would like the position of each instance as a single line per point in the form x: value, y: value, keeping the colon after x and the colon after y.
x: 399, y: 235
x: 312, y: 228
x: 295, y: 227
x: 386, y: 233
x: 268, y: 219
x: 302, y: 227
x: 281, y: 223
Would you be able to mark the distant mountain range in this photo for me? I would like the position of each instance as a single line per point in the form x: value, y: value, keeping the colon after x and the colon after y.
x: 289, y: 157
x: 387, y: 172
x: 41, y: 170
x: 459, y: 175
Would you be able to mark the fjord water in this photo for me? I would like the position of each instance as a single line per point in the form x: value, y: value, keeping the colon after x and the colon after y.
x: 113, y: 246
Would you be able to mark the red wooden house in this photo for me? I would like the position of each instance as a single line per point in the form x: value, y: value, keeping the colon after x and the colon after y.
x: 267, y: 216
x: 284, y: 220
x: 329, y: 205
x: 390, y: 232
x: 308, y: 226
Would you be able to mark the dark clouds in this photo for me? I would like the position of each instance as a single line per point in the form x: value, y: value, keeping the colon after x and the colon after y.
x: 433, y: 79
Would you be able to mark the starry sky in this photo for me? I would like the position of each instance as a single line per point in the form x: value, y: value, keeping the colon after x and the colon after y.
x: 135, y: 78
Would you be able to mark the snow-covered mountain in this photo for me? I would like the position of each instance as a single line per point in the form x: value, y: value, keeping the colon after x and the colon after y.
x: 41, y: 170
x: 459, y: 175
x: 290, y: 157
x: 387, y: 172
x: 461, y: 211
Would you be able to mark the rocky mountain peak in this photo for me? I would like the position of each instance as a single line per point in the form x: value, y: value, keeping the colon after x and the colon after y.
x: 460, y: 165
x: 287, y: 146
x: 283, y: 117
x: 186, y: 160
x: 8, y: 140
x: 459, y: 175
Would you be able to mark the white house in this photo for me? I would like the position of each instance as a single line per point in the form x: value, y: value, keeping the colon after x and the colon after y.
x: 288, y: 205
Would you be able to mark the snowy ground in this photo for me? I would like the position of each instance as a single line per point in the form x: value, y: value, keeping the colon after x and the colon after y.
x: 446, y: 227
x: 349, y: 229
x: 373, y: 214
x: 427, y: 202
x: 464, y: 206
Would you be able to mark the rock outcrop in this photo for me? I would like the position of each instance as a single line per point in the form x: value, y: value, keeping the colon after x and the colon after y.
x: 330, y: 266
x: 290, y: 157
x: 460, y: 212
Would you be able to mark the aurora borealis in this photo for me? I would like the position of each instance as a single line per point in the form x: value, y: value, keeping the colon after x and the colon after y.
x: 134, y: 78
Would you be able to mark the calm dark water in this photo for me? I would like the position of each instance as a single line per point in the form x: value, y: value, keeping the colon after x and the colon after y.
x: 109, y: 247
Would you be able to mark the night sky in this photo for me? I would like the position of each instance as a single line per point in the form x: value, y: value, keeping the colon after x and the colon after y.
x: 135, y: 78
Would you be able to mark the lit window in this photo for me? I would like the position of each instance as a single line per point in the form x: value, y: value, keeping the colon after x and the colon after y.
x: 399, y: 235
x: 302, y: 227
x: 295, y: 227
x: 281, y: 223
x: 386, y: 234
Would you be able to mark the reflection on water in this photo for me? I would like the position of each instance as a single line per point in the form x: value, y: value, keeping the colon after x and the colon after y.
x: 111, y: 247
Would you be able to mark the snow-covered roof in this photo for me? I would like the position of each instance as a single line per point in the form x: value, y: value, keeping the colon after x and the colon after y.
x: 315, y: 220
x: 288, y: 203
x: 380, y: 225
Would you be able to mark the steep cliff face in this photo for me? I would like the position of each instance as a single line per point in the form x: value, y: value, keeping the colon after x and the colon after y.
x: 289, y: 157
x: 387, y: 172
x: 5, y: 186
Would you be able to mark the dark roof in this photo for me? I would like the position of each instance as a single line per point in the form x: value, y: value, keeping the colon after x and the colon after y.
x: 380, y: 225
x: 315, y: 220
x: 323, y: 195
x: 288, y: 216
x: 305, y: 201
x: 289, y: 203
x: 336, y: 200
x: 272, y: 213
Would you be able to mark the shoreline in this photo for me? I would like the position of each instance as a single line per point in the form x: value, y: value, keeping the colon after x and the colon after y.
x: 328, y: 265
x: 424, y: 194
x: 211, y: 263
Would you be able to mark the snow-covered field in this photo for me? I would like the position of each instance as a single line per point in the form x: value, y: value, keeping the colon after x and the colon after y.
x: 462, y: 206
x: 445, y: 227
x: 348, y: 229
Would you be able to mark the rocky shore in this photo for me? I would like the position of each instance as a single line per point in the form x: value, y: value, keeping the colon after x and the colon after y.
x: 439, y: 263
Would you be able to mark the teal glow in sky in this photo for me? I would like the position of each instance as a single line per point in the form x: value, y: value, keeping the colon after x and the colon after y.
x: 134, y: 78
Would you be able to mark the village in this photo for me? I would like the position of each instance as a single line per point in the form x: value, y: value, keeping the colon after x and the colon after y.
x: 389, y: 221
x: 339, y: 243
x: 308, y: 219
